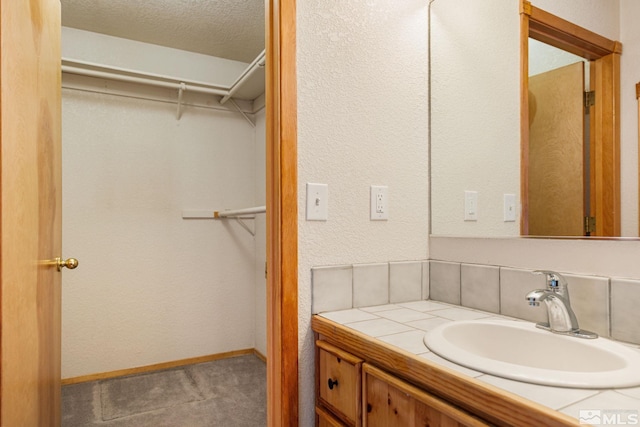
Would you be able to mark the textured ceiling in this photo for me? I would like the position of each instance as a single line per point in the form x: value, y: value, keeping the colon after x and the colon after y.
x: 231, y: 29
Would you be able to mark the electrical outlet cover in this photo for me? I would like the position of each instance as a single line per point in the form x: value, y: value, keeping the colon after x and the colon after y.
x: 379, y: 203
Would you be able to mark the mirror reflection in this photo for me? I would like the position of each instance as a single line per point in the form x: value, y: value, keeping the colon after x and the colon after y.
x: 558, y: 135
x: 475, y: 141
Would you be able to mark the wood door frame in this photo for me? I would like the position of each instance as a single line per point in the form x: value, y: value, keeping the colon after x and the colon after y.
x: 550, y: 29
x: 282, y: 212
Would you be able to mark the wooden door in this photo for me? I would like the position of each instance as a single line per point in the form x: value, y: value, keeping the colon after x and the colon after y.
x: 556, y: 154
x: 30, y: 187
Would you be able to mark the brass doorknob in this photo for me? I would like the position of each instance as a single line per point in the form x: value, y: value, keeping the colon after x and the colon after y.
x: 70, y: 263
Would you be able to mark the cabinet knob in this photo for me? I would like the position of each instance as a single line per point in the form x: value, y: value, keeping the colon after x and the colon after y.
x: 332, y: 383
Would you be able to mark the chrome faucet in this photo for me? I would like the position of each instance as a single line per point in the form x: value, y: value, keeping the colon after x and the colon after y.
x: 562, y: 319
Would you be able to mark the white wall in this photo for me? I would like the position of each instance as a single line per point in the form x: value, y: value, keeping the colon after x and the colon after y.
x: 544, y: 57
x: 475, y: 116
x: 152, y: 287
x: 362, y: 120
x: 599, y: 16
x: 630, y: 75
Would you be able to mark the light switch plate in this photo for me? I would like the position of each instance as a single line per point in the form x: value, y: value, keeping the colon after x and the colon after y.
x: 470, y: 205
x: 509, y: 208
x: 317, y: 202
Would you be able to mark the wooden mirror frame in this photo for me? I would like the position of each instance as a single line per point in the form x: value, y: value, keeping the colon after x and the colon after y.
x: 537, y: 24
x: 638, y: 98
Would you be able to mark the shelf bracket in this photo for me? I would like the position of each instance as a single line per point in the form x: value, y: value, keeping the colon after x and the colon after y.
x: 244, y: 225
x: 242, y: 112
x: 183, y: 88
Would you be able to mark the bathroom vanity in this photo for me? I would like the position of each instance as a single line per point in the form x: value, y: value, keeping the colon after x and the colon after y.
x: 361, y: 380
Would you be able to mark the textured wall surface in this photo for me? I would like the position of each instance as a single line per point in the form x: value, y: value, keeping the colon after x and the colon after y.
x: 475, y: 116
x: 630, y: 75
x: 600, y: 16
x: 152, y: 287
x: 363, y: 120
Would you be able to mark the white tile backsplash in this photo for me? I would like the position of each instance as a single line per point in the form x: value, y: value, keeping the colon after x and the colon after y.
x: 405, y: 281
x: 425, y: 279
x: 370, y: 284
x: 444, y: 281
x: 480, y: 287
x: 625, y: 310
x: 514, y: 286
x: 332, y: 288
x: 607, y: 306
x: 590, y: 301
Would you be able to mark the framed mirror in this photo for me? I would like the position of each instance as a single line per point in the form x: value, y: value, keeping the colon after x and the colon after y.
x: 480, y: 112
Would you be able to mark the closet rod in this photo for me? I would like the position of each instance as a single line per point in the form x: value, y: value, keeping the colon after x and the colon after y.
x: 130, y: 76
x: 239, y: 212
x: 251, y: 69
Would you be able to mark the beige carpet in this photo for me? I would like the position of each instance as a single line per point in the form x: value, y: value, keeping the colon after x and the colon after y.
x: 229, y: 392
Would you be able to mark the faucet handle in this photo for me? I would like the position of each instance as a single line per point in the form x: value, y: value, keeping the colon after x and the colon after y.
x: 555, y: 282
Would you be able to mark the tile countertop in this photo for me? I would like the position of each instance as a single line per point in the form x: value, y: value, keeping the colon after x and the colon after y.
x: 403, y: 325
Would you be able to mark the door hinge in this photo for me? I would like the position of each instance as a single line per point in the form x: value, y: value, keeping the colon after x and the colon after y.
x: 589, y: 225
x: 589, y: 99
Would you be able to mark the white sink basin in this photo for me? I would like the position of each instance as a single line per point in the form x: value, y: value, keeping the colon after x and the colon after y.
x: 522, y: 352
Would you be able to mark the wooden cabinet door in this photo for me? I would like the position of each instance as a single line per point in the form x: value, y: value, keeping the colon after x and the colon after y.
x: 30, y: 211
x: 390, y: 402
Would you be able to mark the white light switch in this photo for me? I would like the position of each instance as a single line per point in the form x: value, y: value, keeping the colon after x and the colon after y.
x: 509, y: 208
x: 470, y: 205
x: 317, y: 202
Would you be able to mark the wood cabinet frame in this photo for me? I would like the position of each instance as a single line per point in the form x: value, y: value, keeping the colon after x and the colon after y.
x: 605, y: 123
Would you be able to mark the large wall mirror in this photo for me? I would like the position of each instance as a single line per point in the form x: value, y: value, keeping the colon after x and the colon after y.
x: 509, y: 123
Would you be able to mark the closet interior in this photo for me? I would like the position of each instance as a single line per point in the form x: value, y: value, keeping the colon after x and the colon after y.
x: 163, y: 175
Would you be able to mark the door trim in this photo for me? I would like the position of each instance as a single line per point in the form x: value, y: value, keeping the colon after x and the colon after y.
x: 282, y: 212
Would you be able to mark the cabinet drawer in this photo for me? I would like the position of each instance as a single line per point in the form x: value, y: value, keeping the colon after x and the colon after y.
x: 339, y: 382
x: 325, y: 419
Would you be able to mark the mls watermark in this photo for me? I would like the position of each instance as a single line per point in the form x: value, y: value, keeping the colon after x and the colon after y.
x: 610, y: 417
